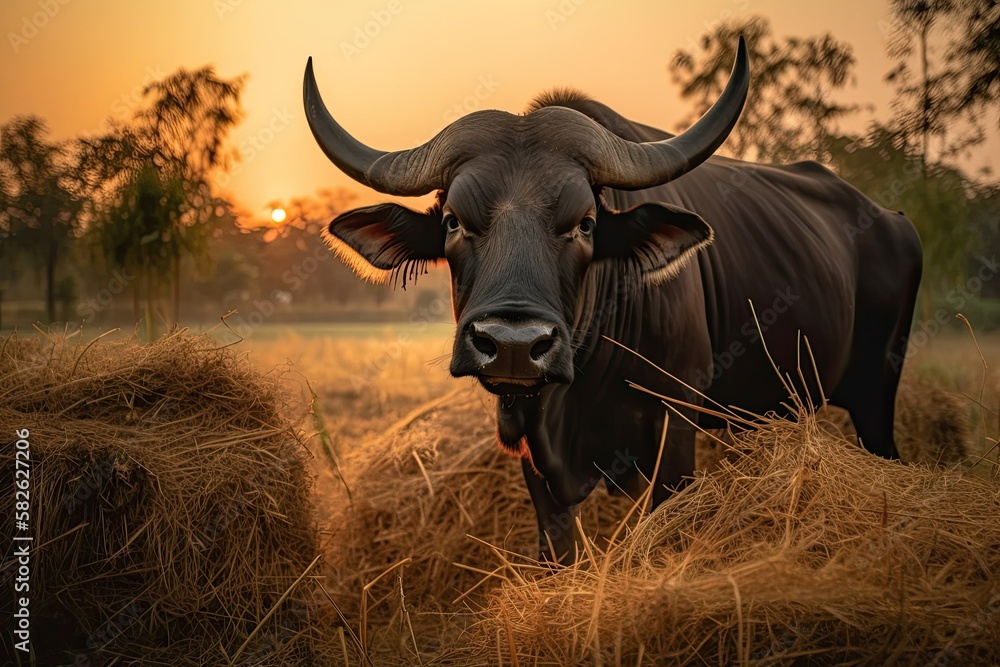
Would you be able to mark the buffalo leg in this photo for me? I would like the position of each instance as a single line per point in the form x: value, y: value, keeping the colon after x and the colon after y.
x: 868, y: 387
x: 558, y: 539
x: 872, y: 411
x: 868, y: 392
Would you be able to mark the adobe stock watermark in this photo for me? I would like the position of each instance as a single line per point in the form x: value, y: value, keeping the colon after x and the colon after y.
x: 750, y: 334
x: 127, y: 102
x: 262, y: 311
x: 556, y: 16
x: 737, y: 179
x: 370, y: 30
x: 32, y: 25
x: 120, y: 280
x: 255, y: 144
x: 294, y: 278
x: 112, y: 630
x: 925, y: 330
x: 485, y: 86
x: 392, y: 351
x: 224, y: 7
x: 884, y: 199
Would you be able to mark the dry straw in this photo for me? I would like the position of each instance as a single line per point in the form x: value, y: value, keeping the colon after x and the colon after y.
x: 932, y: 426
x: 801, y: 549
x: 170, y: 504
x: 433, y: 505
x: 174, y: 515
x: 806, y: 550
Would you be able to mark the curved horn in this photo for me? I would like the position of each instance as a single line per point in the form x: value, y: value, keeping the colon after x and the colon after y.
x: 398, y: 173
x: 352, y: 156
x: 634, y: 166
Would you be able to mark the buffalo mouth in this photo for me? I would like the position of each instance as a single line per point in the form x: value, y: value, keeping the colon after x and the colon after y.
x: 506, y: 386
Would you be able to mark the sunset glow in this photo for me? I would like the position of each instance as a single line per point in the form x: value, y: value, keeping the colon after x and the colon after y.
x: 291, y: 292
x: 392, y: 73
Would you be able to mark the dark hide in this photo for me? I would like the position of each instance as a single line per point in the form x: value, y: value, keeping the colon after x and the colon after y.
x: 817, y: 260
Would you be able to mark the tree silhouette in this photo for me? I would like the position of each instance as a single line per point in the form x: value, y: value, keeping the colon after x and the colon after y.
x: 977, y: 56
x: 42, y: 206
x: 924, y: 105
x: 154, y: 174
x: 789, y: 114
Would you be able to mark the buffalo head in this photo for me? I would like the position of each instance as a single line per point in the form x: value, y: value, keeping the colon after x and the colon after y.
x: 520, y: 221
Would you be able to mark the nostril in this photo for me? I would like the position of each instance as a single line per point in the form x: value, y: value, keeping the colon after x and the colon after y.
x: 539, y: 349
x: 484, y: 345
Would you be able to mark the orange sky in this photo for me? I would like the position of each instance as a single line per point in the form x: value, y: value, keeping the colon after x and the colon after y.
x: 76, y: 62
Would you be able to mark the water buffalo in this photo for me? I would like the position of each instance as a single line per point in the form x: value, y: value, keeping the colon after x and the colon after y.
x: 569, y: 225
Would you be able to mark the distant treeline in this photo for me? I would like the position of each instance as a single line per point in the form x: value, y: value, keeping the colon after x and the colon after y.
x: 129, y: 226
x: 946, y: 78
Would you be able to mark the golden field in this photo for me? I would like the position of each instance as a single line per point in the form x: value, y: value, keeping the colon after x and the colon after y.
x: 331, y: 496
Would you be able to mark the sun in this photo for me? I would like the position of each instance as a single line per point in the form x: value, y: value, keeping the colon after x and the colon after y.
x: 278, y: 216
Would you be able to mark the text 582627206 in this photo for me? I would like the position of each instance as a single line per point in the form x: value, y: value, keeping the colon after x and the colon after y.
x: 22, y: 538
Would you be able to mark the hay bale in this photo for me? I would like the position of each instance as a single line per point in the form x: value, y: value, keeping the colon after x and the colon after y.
x: 709, y: 452
x: 171, y: 497
x: 931, y: 426
x: 428, y: 493
x: 414, y: 495
x: 807, y: 550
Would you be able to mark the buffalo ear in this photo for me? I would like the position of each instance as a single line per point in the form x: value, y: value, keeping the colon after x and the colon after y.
x: 658, y: 239
x: 380, y: 242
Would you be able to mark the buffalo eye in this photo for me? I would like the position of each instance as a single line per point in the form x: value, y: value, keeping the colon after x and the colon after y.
x: 451, y: 223
x: 587, y: 226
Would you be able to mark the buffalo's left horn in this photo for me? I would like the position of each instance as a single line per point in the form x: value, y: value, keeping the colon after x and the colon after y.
x: 629, y: 165
x: 403, y: 173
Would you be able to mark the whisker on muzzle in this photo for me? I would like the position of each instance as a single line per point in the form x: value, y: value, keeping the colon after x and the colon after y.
x: 438, y: 361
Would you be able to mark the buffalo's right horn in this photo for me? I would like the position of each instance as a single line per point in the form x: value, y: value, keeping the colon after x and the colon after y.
x: 404, y: 173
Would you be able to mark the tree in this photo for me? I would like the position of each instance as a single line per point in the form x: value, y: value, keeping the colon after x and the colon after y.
x: 977, y: 56
x: 188, y: 120
x: 154, y: 173
x: 189, y: 116
x: 137, y: 231
x: 947, y: 72
x: 789, y: 113
x: 937, y: 200
x: 42, y: 207
x: 946, y: 55
x: 924, y: 105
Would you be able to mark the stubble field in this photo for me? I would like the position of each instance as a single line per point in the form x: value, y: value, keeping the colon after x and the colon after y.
x: 404, y: 434
x: 329, y: 495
